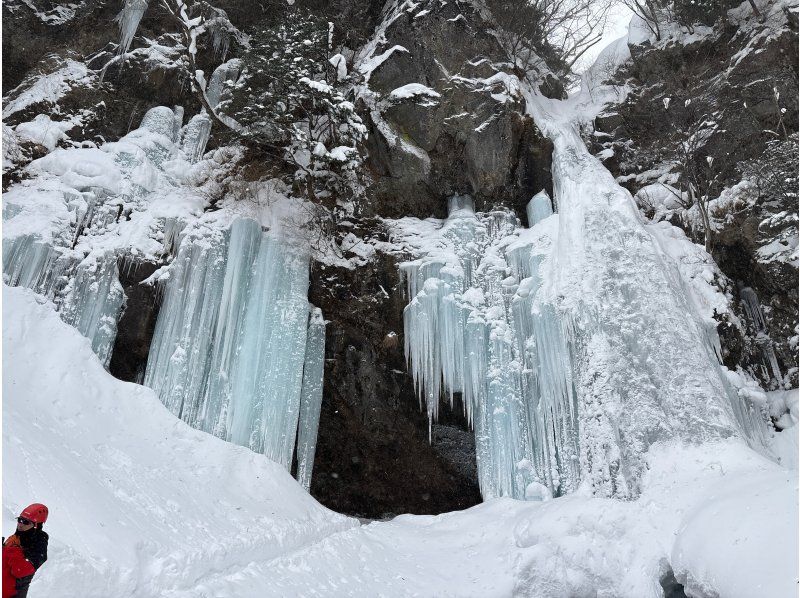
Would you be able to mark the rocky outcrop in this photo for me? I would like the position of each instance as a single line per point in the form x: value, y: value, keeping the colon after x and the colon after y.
x: 722, y: 103
x: 374, y: 457
x: 446, y: 118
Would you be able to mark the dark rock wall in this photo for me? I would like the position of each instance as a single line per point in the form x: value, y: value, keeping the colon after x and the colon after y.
x: 373, y: 456
x: 473, y: 137
x: 137, y: 322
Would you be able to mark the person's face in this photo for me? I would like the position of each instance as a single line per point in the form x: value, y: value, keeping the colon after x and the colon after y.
x: 23, y: 525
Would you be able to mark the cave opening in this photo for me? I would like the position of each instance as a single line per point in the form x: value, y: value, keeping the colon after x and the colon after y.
x: 137, y: 322
x: 374, y: 457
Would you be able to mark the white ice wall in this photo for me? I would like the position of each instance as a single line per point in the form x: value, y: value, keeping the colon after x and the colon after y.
x: 232, y: 351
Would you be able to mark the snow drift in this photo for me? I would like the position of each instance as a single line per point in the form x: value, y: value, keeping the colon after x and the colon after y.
x: 143, y: 505
x: 140, y: 503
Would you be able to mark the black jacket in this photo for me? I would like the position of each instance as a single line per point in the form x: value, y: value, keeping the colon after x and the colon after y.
x: 34, y: 547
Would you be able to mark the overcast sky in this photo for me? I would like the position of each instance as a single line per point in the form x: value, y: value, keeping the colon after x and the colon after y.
x: 617, y: 27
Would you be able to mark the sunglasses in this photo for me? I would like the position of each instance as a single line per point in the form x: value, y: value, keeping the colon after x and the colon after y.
x: 24, y: 521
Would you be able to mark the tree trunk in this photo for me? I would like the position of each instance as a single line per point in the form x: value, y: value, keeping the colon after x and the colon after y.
x: 756, y: 12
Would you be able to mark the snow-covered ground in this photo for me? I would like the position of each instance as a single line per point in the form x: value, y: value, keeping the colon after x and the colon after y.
x: 140, y: 503
x: 143, y: 505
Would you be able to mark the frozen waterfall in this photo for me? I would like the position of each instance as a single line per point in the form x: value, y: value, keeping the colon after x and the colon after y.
x: 574, y: 343
x: 63, y: 232
x: 470, y: 327
x: 237, y: 350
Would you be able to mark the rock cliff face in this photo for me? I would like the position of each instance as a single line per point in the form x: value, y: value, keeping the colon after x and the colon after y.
x: 442, y: 120
x: 719, y: 107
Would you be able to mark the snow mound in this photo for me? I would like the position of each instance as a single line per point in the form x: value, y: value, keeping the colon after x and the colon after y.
x: 140, y: 503
x: 568, y: 547
x: 412, y: 90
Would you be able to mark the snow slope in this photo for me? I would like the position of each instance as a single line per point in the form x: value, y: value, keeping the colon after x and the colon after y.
x: 722, y: 515
x: 140, y: 503
x: 143, y: 505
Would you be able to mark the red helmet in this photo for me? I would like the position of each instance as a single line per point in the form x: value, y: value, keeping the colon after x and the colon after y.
x: 36, y: 512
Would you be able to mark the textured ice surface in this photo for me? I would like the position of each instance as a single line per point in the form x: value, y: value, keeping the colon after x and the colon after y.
x: 232, y: 339
x: 94, y: 302
x: 84, y: 209
x: 539, y: 208
x: 129, y: 18
x: 61, y: 233
x: 225, y: 73
x: 574, y: 342
x: 196, y: 135
x: 311, y: 397
x: 752, y: 308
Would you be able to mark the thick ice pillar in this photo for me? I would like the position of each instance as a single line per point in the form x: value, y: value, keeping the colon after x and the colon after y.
x: 539, y: 208
x: 195, y: 136
x: 311, y: 397
x: 234, y: 352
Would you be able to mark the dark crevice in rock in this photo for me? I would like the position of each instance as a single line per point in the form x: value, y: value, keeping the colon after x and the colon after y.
x: 138, y: 321
x: 671, y: 587
x: 374, y: 458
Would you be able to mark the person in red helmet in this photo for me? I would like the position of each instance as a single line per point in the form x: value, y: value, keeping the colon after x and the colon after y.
x: 25, y: 551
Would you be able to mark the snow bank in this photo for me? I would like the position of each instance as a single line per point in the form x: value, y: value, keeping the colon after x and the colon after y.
x: 574, y: 546
x: 44, y: 131
x: 140, y: 503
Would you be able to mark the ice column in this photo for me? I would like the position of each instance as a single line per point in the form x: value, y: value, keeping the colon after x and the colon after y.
x: 752, y: 308
x: 195, y: 136
x: 539, y: 208
x: 311, y: 397
x: 94, y: 303
x: 233, y: 351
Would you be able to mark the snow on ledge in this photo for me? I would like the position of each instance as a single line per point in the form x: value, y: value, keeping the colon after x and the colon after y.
x: 412, y: 90
x: 370, y: 64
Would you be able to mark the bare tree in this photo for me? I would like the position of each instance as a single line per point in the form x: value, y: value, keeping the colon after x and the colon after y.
x: 652, y: 12
x: 533, y: 30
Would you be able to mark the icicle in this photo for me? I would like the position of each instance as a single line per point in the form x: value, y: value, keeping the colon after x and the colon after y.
x: 225, y: 73
x: 539, y: 208
x: 128, y: 19
x: 311, y: 398
x: 28, y: 262
x: 195, y: 136
x: 752, y: 308
x: 473, y: 326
